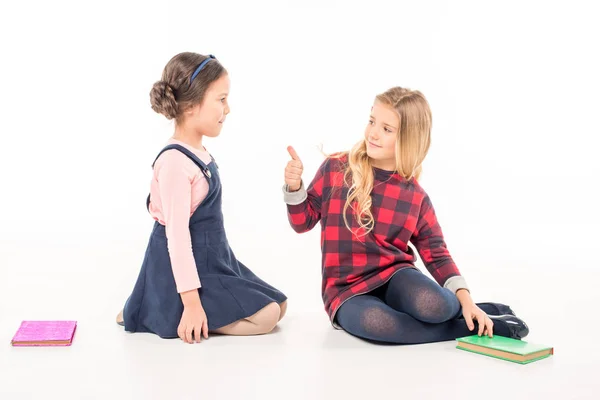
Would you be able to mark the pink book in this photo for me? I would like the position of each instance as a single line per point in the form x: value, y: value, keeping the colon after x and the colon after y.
x: 45, y: 333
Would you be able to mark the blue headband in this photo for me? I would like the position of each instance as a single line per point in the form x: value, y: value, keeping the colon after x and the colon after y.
x: 197, y: 71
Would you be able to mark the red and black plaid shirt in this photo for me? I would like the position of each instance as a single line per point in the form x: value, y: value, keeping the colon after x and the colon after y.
x: 354, y: 265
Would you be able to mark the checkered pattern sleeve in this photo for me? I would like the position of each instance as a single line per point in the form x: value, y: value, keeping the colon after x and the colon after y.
x: 304, y: 205
x: 430, y: 243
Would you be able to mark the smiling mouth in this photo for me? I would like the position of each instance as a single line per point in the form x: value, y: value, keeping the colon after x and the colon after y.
x: 374, y: 145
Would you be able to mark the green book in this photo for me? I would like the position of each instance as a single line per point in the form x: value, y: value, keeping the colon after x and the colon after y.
x: 505, y: 348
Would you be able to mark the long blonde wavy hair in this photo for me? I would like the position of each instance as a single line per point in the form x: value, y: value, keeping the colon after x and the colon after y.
x: 412, y: 144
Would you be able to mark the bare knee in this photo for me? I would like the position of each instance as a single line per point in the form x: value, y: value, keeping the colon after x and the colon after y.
x: 283, y: 309
x: 266, y: 318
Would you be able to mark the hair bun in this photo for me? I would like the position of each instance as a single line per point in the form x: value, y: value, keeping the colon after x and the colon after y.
x: 163, y: 100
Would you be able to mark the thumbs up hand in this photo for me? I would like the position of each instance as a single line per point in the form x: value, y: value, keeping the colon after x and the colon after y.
x: 293, y: 171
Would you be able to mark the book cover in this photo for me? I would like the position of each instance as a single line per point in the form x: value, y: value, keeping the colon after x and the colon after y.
x: 45, y: 333
x: 505, y: 348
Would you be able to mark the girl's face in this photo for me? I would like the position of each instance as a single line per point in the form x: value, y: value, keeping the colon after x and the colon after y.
x: 208, y: 117
x: 381, y: 135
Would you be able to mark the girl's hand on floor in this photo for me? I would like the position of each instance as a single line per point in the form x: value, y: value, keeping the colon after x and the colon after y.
x: 472, y: 312
x: 193, y: 323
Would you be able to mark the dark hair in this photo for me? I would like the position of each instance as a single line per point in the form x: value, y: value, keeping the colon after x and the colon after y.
x: 174, y: 94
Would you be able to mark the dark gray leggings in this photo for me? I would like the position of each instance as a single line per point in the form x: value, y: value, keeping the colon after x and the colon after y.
x: 411, y: 308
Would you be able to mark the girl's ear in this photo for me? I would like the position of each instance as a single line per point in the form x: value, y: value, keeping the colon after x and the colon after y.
x: 192, y: 111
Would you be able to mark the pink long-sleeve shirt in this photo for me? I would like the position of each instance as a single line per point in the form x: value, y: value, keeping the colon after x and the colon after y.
x: 177, y: 189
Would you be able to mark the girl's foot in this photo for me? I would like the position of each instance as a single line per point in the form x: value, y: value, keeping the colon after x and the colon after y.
x: 509, y: 326
x: 495, y: 309
x: 120, y: 319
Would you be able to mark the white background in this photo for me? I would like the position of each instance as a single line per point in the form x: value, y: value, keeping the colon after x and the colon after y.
x: 512, y: 173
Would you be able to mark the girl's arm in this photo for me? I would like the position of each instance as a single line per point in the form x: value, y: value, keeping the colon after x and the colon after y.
x: 175, y: 186
x: 429, y: 241
x: 175, y: 179
x: 304, y: 205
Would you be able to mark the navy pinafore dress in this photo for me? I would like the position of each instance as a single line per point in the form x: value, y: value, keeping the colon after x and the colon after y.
x: 229, y: 290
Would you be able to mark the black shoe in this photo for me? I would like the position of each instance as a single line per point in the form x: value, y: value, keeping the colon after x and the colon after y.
x: 517, y: 328
x: 496, y: 309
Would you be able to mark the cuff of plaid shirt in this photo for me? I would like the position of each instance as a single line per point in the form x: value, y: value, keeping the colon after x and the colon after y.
x: 294, y: 198
x: 456, y: 283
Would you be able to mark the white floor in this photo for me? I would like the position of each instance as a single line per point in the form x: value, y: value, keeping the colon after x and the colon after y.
x: 304, y: 359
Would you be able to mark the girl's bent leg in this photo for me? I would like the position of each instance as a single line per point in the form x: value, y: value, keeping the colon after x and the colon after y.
x: 411, y: 292
x: 368, y: 317
x: 258, y: 324
x: 283, y: 308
